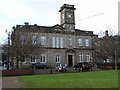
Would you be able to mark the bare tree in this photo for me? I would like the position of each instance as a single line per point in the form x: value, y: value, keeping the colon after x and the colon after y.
x: 21, y: 47
x: 108, y: 46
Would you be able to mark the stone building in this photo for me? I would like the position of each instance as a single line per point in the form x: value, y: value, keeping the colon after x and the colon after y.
x: 59, y: 43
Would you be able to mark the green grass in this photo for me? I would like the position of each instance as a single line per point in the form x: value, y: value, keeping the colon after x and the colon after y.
x: 100, y: 79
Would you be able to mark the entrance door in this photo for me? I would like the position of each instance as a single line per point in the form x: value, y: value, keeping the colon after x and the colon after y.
x: 70, y: 61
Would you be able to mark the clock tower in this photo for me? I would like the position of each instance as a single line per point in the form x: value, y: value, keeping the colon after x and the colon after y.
x: 67, y: 17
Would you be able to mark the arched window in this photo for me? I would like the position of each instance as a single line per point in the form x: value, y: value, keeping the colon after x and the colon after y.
x: 80, y: 42
x: 86, y: 42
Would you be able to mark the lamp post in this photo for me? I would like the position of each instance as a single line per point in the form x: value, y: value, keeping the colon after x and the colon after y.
x: 8, y: 51
x: 115, y: 59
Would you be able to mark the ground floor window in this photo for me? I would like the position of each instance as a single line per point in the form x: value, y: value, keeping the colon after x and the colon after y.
x: 24, y: 60
x: 81, y: 57
x: 42, y: 58
x: 87, y: 57
x: 32, y: 59
x: 57, y: 58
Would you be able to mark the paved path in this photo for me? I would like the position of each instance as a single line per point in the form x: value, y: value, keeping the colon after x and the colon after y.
x: 11, y: 82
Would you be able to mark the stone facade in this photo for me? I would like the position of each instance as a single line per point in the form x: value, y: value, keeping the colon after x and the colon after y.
x: 59, y: 43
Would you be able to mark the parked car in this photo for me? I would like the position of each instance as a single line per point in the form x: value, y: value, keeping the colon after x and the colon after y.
x: 83, y: 66
x: 61, y: 67
x: 39, y: 66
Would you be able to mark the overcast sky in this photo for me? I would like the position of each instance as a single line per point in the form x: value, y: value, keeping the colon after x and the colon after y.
x: 91, y: 15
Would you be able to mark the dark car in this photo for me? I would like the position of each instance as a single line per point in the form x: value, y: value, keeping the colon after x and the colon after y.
x: 39, y: 66
x: 61, y: 67
x: 83, y: 66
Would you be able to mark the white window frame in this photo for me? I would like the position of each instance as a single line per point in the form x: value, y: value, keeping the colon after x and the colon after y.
x: 57, y: 59
x: 42, y: 40
x: 32, y: 59
x: 81, y: 57
x: 80, y: 42
x: 53, y: 42
x: 87, y: 57
x: 43, y: 58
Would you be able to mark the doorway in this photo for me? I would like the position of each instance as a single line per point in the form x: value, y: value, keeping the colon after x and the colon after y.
x: 70, y: 61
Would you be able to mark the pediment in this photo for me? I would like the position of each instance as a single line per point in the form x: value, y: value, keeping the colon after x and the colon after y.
x: 57, y: 26
x: 70, y: 51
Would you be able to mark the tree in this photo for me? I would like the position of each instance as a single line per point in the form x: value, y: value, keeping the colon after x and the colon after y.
x: 108, y: 46
x: 21, y: 47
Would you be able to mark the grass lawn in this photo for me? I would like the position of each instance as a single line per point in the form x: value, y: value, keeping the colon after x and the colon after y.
x: 99, y: 79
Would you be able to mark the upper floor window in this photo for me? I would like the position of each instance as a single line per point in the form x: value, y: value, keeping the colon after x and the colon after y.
x: 80, y: 42
x: 81, y: 57
x: 57, y: 58
x: 87, y: 57
x: 43, y: 40
x: 86, y: 42
x: 42, y: 58
x: 53, y: 42
x: 33, y: 40
x: 57, y: 42
x: 70, y: 41
x: 23, y: 39
x: 61, y: 42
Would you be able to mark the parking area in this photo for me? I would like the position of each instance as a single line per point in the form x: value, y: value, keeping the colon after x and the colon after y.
x: 53, y: 71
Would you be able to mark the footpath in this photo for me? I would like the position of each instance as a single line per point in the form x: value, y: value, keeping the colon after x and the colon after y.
x: 11, y: 82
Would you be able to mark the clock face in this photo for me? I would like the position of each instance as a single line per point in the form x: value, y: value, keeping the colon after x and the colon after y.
x: 69, y: 17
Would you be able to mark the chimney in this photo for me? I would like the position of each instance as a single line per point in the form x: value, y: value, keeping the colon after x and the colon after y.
x: 106, y: 33
x: 26, y: 23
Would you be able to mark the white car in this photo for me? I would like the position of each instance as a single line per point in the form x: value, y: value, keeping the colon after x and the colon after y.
x: 61, y: 67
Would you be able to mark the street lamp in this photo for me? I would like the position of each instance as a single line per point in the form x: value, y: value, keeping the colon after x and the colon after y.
x: 8, y: 50
x: 115, y: 59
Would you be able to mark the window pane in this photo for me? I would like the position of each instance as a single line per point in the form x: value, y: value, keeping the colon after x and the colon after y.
x: 33, y: 40
x: 53, y: 42
x: 61, y: 42
x: 70, y: 41
x: 34, y: 59
x: 42, y: 40
x: 23, y: 39
x: 31, y: 59
x: 41, y: 59
x: 80, y: 43
x: 57, y: 58
x: 57, y: 42
x: 86, y: 42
